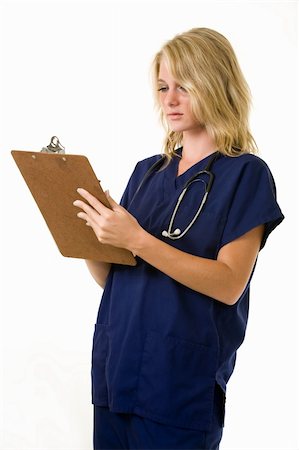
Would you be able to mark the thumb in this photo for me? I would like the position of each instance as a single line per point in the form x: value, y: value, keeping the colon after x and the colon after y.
x: 112, y: 202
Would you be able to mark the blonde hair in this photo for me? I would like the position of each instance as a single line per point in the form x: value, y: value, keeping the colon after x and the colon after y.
x: 204, y: 63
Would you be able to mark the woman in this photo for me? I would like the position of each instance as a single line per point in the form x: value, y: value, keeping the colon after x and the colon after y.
x: 168, y: 328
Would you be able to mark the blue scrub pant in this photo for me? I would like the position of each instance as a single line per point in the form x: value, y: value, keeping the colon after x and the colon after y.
x: 130, y: 431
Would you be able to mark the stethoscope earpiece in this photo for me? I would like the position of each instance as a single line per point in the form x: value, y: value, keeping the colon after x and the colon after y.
x: 176, y: 232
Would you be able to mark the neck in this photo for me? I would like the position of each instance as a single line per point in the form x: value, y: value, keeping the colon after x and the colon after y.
x: 197, y: 144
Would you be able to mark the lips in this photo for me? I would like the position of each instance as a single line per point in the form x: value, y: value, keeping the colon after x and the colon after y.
x: 174, y: 115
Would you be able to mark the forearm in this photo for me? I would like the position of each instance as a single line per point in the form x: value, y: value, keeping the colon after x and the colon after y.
x: 207, y: 276
x: 99, y: 271
x: 223, y: 279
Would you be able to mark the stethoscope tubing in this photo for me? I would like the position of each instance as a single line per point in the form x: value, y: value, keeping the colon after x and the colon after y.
x: 172, y: 235
x: 177, y: 234
x: 157, y: 164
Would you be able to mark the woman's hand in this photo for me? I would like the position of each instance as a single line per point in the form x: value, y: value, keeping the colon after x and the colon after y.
x: 115, y: 227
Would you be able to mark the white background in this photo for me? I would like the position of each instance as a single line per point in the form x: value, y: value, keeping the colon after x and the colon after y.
x: 80, y: 70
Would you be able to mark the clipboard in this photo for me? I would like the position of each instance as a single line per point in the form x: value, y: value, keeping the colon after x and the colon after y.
x: 53, y: 180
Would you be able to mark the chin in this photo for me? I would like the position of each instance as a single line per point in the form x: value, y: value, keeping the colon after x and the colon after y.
x: 177, y: 128
x: 182, y: 129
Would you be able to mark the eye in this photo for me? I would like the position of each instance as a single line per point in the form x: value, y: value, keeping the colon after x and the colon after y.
x: 163, y: 89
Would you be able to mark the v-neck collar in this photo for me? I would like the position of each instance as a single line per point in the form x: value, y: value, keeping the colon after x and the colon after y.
x: 175, y: 181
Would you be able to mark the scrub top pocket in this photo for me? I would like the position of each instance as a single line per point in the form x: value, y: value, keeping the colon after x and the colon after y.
x: 176, y: 383
x: 166, y: 345
x: 99, y: 356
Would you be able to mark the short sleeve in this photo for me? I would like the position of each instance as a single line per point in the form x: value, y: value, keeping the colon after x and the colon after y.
x: 254, y: 203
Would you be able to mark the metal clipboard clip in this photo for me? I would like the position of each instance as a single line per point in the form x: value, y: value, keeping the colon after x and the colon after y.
x: 54, y: 147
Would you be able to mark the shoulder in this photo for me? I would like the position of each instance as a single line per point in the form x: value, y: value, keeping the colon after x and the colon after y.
x: 145, y: 164
x: 247, y: 173
x: 246, y: 164
x: 149, y: 161
x: 245, y: 160
x: 141, y: 168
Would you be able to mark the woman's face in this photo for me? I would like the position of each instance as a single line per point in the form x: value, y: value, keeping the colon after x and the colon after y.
x: 175, y: 102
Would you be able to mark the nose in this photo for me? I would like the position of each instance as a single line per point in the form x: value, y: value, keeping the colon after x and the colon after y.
x: 171, y: 97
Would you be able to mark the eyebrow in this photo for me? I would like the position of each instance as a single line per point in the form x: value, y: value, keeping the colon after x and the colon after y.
x: 163, y: 81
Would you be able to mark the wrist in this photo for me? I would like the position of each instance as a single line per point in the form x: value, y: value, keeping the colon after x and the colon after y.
x: 140, y: 241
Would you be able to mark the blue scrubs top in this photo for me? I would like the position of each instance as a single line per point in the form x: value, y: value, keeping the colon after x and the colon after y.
x: 160, y: 347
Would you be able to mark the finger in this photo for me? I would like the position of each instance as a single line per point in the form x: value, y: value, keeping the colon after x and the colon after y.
x: 89, y: 219
x: 94, y: 215
x: 94, y: 202
x: 83, y: 205
x: 83, y: 216
x: 92, y: 225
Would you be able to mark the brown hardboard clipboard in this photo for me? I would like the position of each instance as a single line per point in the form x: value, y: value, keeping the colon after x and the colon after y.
x: 53, y: 180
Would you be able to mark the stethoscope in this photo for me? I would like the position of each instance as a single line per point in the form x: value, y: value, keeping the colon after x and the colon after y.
x: 177, y: 233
